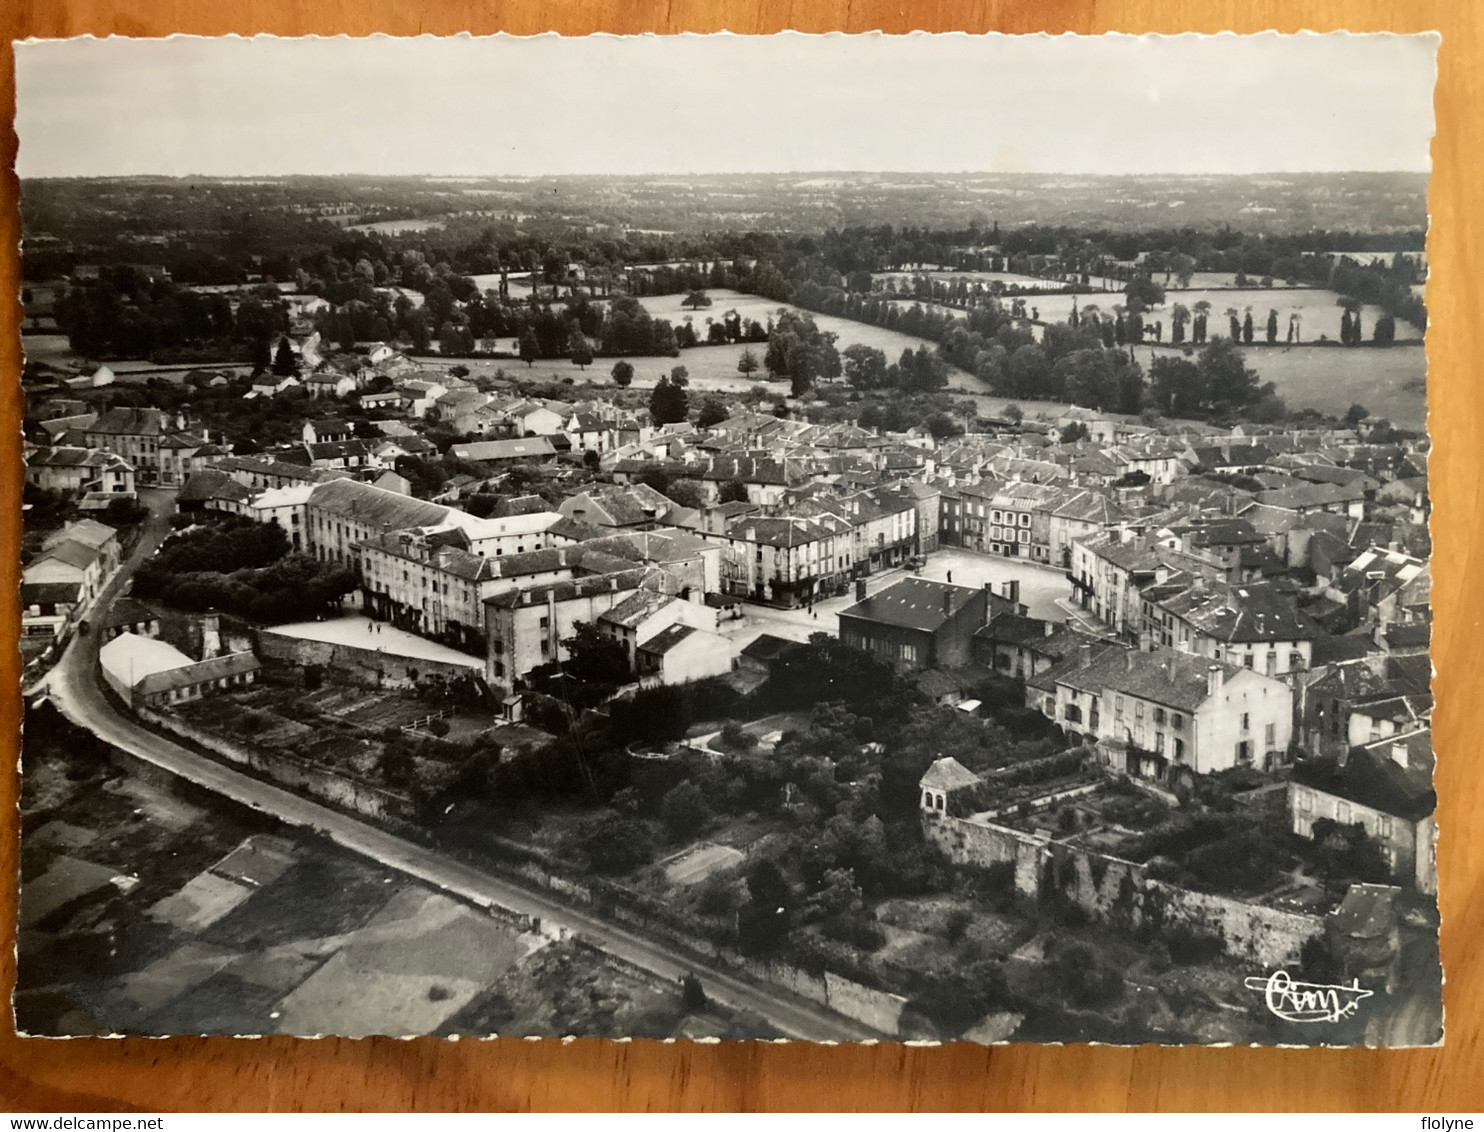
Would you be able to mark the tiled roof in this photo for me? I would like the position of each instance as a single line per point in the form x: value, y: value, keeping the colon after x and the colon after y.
x: 947, y: 773
x: 1240, y: 613
x: 1371, y: 777
x: 914, y: 603
x: 1174, y: 679
x: 376, y: 507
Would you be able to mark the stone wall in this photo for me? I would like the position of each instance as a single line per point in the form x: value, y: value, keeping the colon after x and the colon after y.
x: 291, y: 772
x: 880, y: 1010
x: 1120, y: 892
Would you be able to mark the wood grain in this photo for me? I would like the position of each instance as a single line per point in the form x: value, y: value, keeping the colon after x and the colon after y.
x: 332, y: 1074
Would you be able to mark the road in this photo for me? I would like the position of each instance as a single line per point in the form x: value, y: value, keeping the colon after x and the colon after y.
x: 74, y: 687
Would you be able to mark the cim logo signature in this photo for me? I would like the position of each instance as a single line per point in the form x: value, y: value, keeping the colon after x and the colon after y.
x: 1309, y: 1002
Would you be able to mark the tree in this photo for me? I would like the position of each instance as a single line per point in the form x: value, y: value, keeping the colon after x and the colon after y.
x: 679, y: 377
x: 763, y: 922
x: 530, y: 346
x: 580, y: 349
x: 1074, y: 432
x: 733, y: 491
x: 687, y: 493
x: 1177, y: 385
x: 1272, y: 328
x: 1179, y: 318
x: 285, y: 361
x: 1384, y: 332
x: 623, y: 374
x: 668, y: 403
x: 1356, y: 414
x: 1013, y: 413
x: 595, y: 657
x: 696, y: 299
x: 617, y: 843
x: 1226, y: 376
x: 747, y: 363
x: 262, y: 355
x: 864, y: 367
x: 1247, y: 328
x: 684, y: 811
x: 713, y: 412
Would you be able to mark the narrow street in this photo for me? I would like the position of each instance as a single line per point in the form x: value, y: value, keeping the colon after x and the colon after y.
x: 74, y: 687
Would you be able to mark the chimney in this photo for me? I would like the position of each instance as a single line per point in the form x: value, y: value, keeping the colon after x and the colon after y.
x: 211, y: 636
x: 1128, y: 659
x: 1012, y: 591
x: 1214, y: 677
x: 1084, y: 655
x: 1050, y: 627
x: 1146, y: 641
x: 525, y: 597
x: 1399, y: 756
x: 860, y: 589
x: 947, y: 603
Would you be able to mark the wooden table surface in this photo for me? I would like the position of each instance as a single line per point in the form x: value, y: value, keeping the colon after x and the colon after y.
x: 332, y: 1074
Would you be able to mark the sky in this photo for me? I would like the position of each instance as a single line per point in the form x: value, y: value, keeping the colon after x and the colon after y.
x: 715, y: 104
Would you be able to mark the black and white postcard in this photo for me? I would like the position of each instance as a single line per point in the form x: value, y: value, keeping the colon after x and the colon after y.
x: 831, y: 538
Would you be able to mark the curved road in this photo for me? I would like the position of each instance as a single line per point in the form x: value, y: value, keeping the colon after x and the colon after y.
x: 73, y: 685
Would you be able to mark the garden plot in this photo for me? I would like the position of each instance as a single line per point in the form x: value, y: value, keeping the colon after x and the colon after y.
x: 700, y: 862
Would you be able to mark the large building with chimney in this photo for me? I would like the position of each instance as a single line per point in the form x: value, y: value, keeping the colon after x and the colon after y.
x: 1167, y: 715
x: 917, y: 624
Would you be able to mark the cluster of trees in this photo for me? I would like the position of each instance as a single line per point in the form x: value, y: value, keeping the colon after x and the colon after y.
x: 1215, y: 382
x: 669, y: 402
x: 243, y: 568
x: 122, y: 314
x: 800, y: 352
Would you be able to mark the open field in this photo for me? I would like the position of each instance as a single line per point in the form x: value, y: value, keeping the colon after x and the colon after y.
x: 1391, y: 383
x: 760, y: 309
x: 396, y: 227
x: 711, y: 368
x: 988, y: 278
x: 1319, y: 310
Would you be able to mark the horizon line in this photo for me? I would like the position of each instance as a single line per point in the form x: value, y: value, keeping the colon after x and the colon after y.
x: 722, y: 173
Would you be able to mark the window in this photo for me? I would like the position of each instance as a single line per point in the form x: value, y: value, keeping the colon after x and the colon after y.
x: 1247, y: 660
x: 909, y: 653
x: 1159, y: 715
x: 1305, y: 800
x: 1246, y: 722
x: 1342, y: 813
x: 1025, y: 521
x: 1179, y: 750
x: 1138, y: 709
x: 1270, y: 735
x: 1159, y: 742
x: 1383, y: 826
x: 1073, y: 713
x: 1177, y: 721
x: 1117, y: 706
